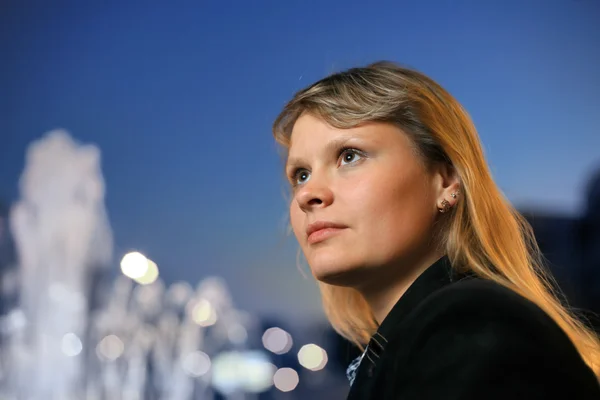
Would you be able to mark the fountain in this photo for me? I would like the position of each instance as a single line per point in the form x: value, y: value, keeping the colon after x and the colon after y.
x: 62, y: 235
x: 75, y: 336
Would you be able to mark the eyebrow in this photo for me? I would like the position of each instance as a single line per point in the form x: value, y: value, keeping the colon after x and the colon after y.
x: 330, y: 147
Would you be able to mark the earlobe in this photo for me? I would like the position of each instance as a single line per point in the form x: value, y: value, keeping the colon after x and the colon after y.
x: 448, y: 186
x: 446, y: 205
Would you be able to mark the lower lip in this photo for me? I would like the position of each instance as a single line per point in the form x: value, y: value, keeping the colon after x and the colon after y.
x: 322, y: 234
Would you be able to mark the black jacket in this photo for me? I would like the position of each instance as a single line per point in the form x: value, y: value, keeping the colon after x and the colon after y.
x: 456, y: 337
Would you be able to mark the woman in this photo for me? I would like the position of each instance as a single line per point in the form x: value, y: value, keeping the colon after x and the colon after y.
x: 420, y: 259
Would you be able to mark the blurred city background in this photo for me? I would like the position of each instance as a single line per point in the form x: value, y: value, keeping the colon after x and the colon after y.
x: 144, y: 251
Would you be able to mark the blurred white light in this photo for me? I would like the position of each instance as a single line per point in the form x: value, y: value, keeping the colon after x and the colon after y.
x: 277, y: 340
x: 249, y: 371
x: 258, y: 372
x: 237, y: 334
x: 196, y: 363
x: 145, y: 335
x: 71, y: 345
x: 131, y: 394
x: 110, y: 348
x: 10, y: 282
x: 149, y: 297
x: 179, y: 293
x: 312, y: 357
x: 226, y: 373
x: 61, y: 294
x: 150, y: 275
x: 286, y: 379
x: 14, y: 321
x: 134, y: 265
x: 204, y: 314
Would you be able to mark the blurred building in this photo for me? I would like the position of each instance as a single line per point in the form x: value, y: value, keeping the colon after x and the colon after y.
x: 572, y: 249
x: 590, y: 240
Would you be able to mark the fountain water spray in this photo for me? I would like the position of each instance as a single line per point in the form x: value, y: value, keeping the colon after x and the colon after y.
x: 62, y: 235
x: 142, y: 339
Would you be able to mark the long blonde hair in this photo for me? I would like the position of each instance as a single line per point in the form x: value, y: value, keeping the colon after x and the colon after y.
x: 484, y: 234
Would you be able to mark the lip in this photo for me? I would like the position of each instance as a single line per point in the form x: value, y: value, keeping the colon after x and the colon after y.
x: 321, y: 230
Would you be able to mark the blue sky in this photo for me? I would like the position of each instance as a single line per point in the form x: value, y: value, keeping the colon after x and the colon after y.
x: 180, y: 99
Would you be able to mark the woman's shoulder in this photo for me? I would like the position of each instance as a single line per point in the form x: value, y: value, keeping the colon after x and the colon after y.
x: 484, y: 300
x: 476, y: 337
x: 488, y: 316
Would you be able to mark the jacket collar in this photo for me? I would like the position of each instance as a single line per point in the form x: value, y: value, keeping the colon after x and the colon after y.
x: 438, y: 275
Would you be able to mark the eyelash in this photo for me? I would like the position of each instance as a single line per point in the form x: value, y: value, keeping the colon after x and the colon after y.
x: 340, y: 152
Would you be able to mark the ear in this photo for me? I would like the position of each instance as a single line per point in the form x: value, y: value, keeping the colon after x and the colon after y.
x: 447, y: 187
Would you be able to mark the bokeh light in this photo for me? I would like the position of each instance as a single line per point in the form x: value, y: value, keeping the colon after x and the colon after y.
x: 203, y: 313
x: 71, y: 345
x: 250, y: 371
x: 277, y: 340
x: 312, y: 357
x: 110, y: 348
x: 286, y: 379
x: 196, y: 363
x: 134, y: 265
x: 150, y: 275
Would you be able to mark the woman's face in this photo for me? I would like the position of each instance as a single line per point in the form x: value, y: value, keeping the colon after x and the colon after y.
x: 362, y: 200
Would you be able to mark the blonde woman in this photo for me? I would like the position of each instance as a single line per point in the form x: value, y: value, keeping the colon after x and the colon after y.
x: 420, y: 259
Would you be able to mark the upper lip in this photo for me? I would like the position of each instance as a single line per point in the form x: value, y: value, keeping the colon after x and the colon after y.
x: 318, y: 225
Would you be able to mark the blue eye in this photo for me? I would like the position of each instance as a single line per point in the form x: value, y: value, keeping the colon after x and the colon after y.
x: 300, y: 176
x: 349, y: 156
x: 346, y: 156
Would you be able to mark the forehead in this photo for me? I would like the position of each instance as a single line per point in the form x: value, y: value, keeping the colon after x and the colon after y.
x: 311, y: 133
x: 309, y: 129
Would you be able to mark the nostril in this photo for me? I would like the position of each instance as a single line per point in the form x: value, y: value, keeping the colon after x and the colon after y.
x: 315, y: 201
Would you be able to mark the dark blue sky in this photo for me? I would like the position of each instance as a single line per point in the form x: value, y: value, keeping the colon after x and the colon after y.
x: 180, y: 100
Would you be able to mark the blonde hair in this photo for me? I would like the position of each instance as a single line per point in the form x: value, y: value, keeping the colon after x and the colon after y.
x: 484, y: 234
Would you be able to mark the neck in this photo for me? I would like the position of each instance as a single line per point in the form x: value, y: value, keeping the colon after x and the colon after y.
x: 385, y: 293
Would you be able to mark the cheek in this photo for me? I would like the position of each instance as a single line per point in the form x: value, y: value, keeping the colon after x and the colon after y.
x: 297, y: 220
x: 397, y: 211
x: 374, y: 198
x: 410, y: 220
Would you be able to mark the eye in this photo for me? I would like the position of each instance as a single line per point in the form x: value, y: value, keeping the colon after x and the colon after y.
x: 348, y: 156
x: 300, y: 176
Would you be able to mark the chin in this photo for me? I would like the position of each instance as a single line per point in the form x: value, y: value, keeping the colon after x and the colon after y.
x: 339, y: 275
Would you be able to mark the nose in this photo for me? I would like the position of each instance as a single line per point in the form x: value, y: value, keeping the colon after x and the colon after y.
x: 314, y: 194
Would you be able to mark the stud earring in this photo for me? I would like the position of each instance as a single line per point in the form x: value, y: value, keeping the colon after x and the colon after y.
x: 445, y: 206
